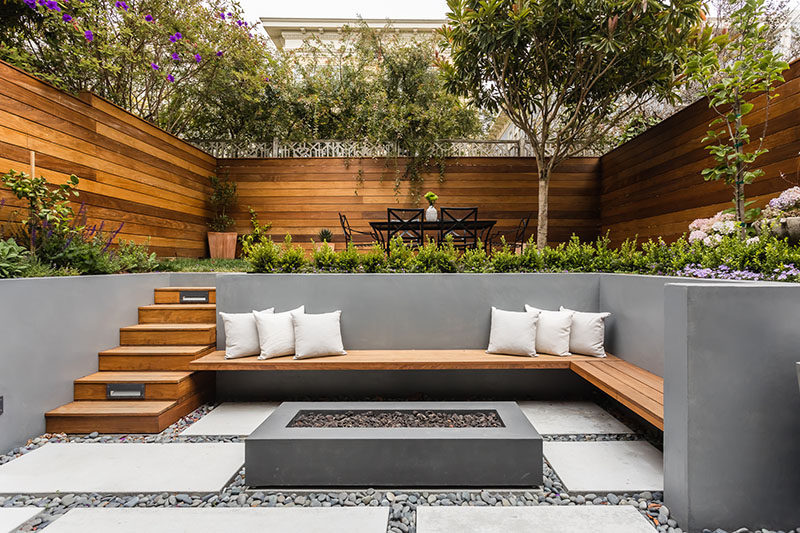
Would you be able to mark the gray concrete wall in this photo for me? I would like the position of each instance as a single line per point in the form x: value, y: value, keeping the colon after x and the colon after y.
x: 413, y: 311
x: 50, y: 332
x: 732, y: 406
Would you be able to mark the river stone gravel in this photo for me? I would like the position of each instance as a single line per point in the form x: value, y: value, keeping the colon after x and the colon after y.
x: 396, y: 419
x: 402, y: 504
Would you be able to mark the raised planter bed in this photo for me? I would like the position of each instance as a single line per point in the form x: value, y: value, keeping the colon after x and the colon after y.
x: 277, y: 455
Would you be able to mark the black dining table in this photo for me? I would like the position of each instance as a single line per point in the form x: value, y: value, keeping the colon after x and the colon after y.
x: 381, y: 227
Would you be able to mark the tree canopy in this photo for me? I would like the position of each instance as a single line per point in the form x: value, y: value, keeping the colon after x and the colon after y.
x: 566, y: 71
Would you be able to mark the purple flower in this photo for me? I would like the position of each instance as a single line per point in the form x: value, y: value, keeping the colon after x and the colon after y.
x: 219, y: 53
x: 155, y: 67
x: 121, y: 5
x: 53, y: 5
x: 222, y: 16
x: 240, y: 23
x: 89, y: 35
x: 198, y: 58
x: 148, y: 18
x: 170, y: 78
x: 176, y: 56
x: 31, y: 4
x: 66, y: 18
x: 175, y: 38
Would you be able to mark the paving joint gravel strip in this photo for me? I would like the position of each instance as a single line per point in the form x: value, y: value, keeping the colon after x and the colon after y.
x: 402, y: 503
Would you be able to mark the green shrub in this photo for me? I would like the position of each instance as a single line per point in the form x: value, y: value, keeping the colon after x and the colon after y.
x: 401, y: 258
x: 292, y: 257
x: 13, y: 259
x: 134, y: 257
x: 432, y: 257
x: 348, y: 260
x: 325, y: 259
x: 374, y: 261
x: 474, y: 259
x: 263, y: 256
x: 505, y: 259
x: 257, y: 235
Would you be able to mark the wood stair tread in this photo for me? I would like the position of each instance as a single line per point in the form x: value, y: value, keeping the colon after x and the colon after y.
x: 184, y: 350
x: 177, y: 289
x: 112, y: 408
x: 169, y: 327
x: 178, y: 307
x: 135, y: 377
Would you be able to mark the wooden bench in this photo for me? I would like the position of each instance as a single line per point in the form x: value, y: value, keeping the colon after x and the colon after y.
x: 636, y: 388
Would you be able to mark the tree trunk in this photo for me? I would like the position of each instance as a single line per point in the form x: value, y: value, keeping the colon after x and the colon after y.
x: 544, y: 191
x: 738, y: 184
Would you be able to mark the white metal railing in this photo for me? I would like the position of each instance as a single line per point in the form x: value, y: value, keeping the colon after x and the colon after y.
x: 354, y: 149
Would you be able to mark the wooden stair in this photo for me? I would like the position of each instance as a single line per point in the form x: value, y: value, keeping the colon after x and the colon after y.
x: 145, y: 384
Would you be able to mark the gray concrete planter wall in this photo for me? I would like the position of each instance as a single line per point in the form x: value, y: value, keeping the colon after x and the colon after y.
x: 50, y: 332
x: 732, y: 407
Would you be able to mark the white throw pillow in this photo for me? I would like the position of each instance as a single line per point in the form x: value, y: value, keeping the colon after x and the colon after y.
x: 552, y: 331
x: 317, y: 335
x: 587, y: 336
x: 276, y: 332
x: 241, y: 334
x: 512, y: 333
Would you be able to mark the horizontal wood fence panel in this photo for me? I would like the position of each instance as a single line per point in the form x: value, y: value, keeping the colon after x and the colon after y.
x: 652, y: 185
x: 132, y: 173
x: 302, y: 196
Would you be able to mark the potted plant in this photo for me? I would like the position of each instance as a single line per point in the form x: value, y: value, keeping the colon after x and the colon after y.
x: 324, y: 238
x: 430, y: 214
x: 222, y: 241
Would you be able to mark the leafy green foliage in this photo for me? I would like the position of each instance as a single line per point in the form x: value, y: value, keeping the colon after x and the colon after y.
x: 222, y: 199
x: 565, y: 72
x: 125, y: 54
x: 258, y: 233
x: 763, y: 258
x: 728, y: 88
x: 13, y: 259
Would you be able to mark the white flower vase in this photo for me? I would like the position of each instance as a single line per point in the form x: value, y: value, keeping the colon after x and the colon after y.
x: 430, y: 214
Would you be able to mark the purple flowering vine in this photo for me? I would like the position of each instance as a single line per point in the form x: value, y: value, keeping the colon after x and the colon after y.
x: 66, y: 18
x: 170, y: 78
x: 176, y: 56
x: 121, y: 5
x: 155, y: 67
x: 89, y: 35
x: 148, y: 18
x: 198, y: 58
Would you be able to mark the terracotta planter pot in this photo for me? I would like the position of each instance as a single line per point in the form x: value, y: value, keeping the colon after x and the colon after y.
x: 222, y: 245
x: 331, y: 245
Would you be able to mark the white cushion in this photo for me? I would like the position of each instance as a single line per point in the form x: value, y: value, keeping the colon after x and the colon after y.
x: 587, y: 336
x: 317, y: 335
x: 241, y: 334
x: 552, y: 331
x: 276, y: 332
x: 512, y: 333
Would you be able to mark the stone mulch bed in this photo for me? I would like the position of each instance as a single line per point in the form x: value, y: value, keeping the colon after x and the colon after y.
x: 396, y: 419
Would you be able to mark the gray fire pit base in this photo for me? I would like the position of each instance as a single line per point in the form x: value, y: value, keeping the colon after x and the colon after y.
x: 510, y: 456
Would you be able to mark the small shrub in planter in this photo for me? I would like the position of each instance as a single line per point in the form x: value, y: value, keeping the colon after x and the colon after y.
x: 222, y: 241
x: 13, y: 259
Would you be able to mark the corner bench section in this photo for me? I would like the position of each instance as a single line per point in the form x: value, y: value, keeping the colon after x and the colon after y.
x: 636, y: 388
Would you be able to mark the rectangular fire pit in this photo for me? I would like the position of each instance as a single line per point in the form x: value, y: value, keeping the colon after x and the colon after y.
x: 506, y: 451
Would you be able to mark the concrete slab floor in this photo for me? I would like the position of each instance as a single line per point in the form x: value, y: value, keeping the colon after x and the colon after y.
x: 541, y: 519
x: 570, y: 418
x: 610, y: 466
x: 122, y: 468
x: 225, y: 520
x: 232, y: 418
x: 13, y: 517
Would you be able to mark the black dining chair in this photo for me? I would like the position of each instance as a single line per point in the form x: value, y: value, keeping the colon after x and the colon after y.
x: 408, y: 224
x: 516, y: 238
x: 349, y: 232
x: 460, y: 224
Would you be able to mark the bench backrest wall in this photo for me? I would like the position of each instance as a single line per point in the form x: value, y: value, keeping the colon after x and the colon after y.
x: 412, y: 311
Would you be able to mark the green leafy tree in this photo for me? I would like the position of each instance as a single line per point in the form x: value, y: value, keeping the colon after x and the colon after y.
x: 754, y: 69
x: 159, y: 59
x: 566, y: 71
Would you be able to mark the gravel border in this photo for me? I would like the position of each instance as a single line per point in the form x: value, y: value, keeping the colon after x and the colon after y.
x: 402, y: 503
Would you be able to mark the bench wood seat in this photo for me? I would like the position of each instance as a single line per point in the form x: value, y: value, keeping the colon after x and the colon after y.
x: 634, y: 387
x: 391, y: 360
